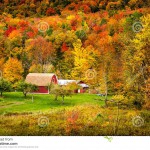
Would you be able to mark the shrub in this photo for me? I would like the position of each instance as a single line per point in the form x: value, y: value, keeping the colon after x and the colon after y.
x: 79, y: 120
x: 5, y: 86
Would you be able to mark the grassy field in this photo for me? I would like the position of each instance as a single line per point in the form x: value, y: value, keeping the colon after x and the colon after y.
x: 16, y: 102
x: 81, y: 114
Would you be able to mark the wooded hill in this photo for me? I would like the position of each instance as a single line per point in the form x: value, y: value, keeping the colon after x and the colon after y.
x: 104, y: 43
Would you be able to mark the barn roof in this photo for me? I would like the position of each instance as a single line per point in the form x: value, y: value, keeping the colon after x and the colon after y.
x: 39, y: 79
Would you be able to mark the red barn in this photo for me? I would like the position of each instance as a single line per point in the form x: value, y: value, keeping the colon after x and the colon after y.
x: 42, y: 80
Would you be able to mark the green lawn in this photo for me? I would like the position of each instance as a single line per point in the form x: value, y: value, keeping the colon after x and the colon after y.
x: 81, y: 114
x: 16, y: 102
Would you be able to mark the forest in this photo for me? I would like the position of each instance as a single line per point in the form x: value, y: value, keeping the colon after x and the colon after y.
x: 104, y: 43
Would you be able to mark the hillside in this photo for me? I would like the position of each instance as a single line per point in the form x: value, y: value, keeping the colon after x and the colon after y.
x: 38, y: 8
x: 104, y: 43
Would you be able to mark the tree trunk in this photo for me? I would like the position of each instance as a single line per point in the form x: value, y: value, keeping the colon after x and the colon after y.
x: 56, y: 97
x: 25, y: 94
x: 117, y: 120
x: 106, y: 101
x: 106, y: 91
x: 62, y: 99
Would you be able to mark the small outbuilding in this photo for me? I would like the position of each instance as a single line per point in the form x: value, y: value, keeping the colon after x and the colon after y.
x: 42, y: 80
x: 83, y: 86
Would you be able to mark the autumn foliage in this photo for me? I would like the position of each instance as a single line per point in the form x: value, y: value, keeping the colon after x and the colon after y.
x: 68, y: 38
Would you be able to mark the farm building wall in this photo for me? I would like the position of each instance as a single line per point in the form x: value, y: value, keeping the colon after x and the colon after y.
x: 54, y: 80
x: 42, y: 89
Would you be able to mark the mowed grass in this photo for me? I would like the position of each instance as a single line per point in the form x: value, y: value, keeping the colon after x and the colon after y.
x: 15, y: 102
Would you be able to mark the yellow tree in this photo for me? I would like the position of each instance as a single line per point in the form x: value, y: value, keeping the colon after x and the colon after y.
x: 1, y: 65
x: 13, y: 70
x: 84, y: 59
x: 141, y: 58
x: 137, y: 64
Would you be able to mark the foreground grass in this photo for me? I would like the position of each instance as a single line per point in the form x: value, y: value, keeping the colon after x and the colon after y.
x: 85, y: 120
x: 15, y: 102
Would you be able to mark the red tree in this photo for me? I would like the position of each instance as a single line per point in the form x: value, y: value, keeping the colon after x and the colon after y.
x: 50, y: 11
x: 64, y: 47
x: 9, y: 30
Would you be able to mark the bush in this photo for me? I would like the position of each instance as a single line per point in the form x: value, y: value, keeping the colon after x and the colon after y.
x: 5, y: 86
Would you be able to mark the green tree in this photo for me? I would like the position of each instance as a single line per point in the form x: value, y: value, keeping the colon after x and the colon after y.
x: 5, y: 86
x: 60, y: 91
x: 26, y: 87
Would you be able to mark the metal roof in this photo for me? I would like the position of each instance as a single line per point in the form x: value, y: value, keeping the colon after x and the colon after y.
x: 65, y: 82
